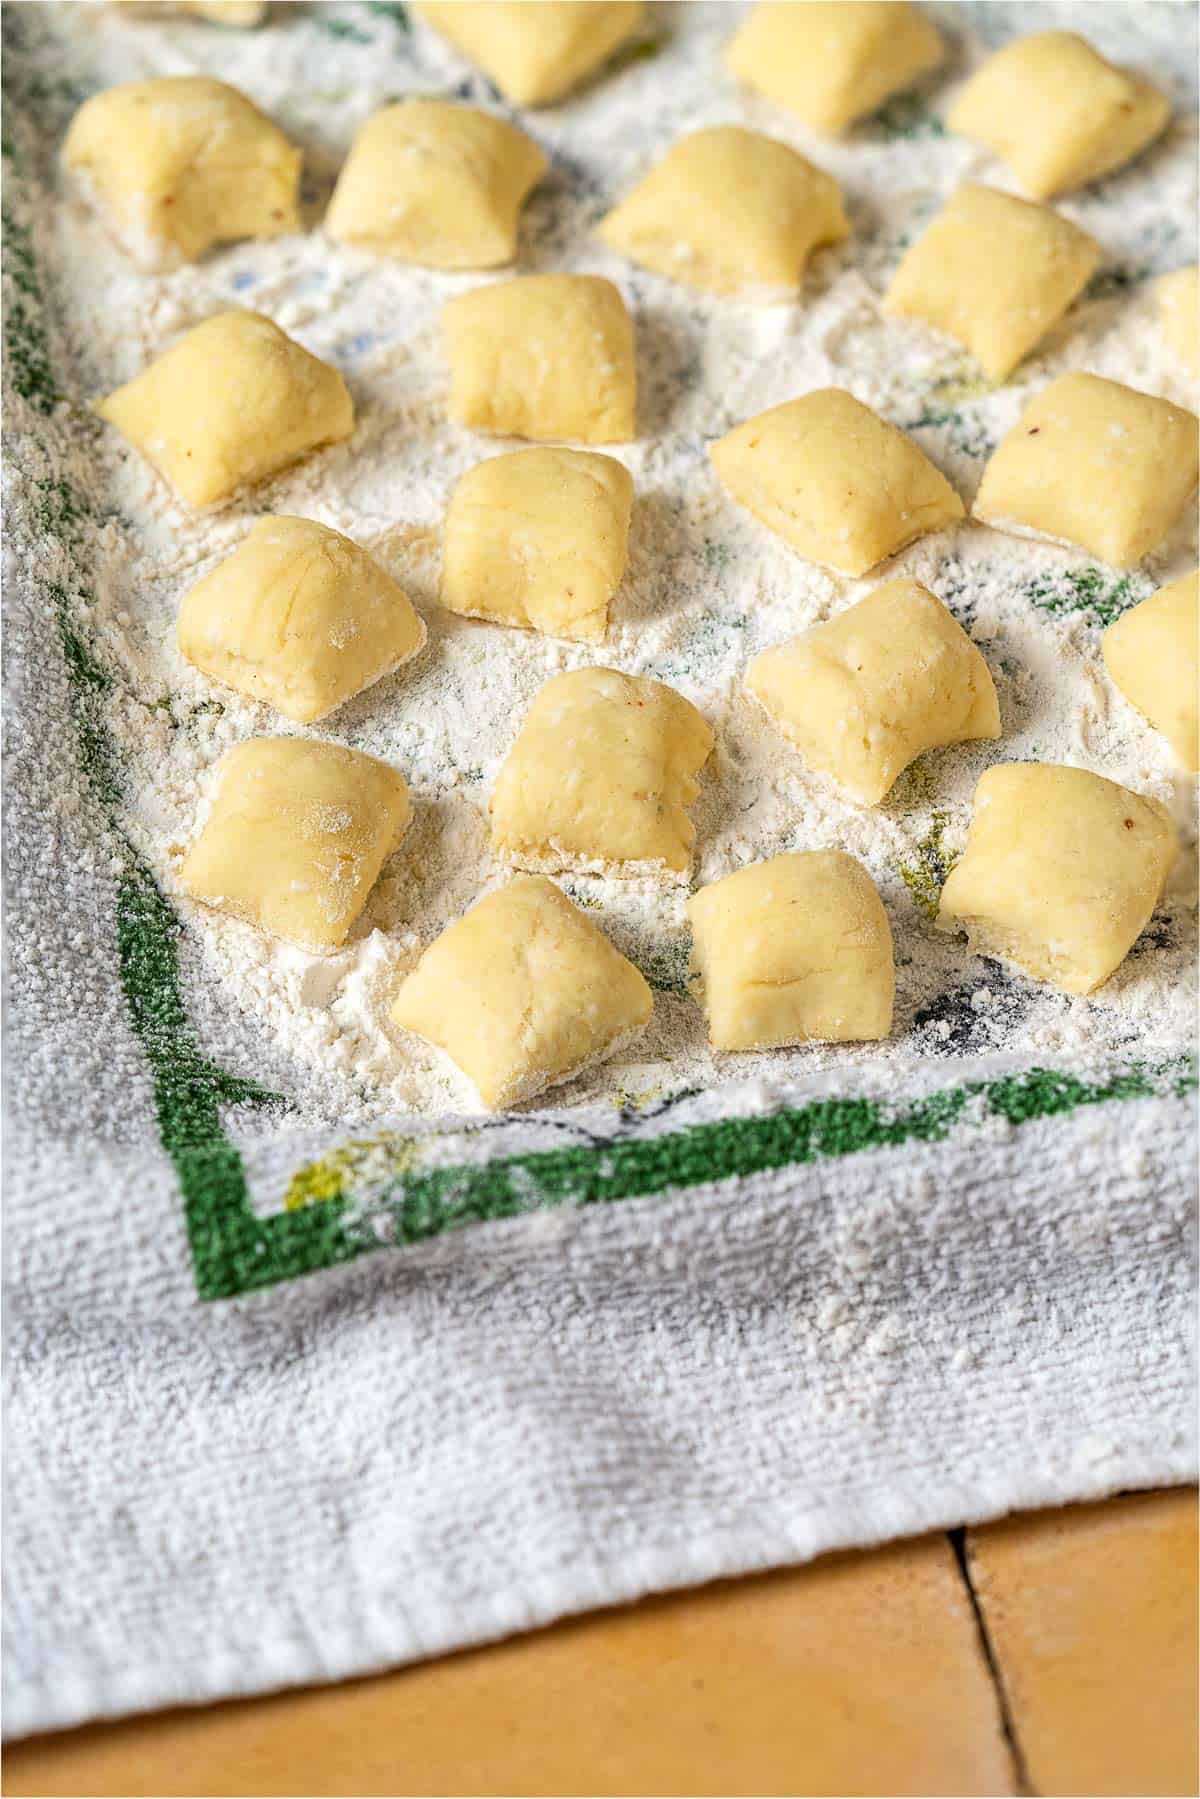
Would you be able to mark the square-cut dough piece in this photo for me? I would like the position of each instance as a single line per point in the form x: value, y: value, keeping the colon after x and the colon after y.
x: 535, y: 50
x: 544, y: 357
x: 182, y: 162
x: 1095, y: 464
x: 436, y: 183
x: 729, y: 211
x: 794, y: 950
x: 864, y: 694
x: 835, y: 480
x: 831, y: 63
x: 994, y: 272
x: 1179, y: 309
x: 522, y: 992
x: 300, y: 617
x: 1061, y: 872
x: 297, y: 835
x: 233, y: 401
x: 601, y: 776
x: 1057, y: 112
x: 539, y: 538
x: 1153, y: 655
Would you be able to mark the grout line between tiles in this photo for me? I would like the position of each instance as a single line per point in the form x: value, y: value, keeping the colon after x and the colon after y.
x: 1024, y: 1783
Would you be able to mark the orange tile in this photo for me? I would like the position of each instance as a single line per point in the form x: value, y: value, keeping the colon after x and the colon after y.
x: 860, y: 1674
x: 1092, y: 1616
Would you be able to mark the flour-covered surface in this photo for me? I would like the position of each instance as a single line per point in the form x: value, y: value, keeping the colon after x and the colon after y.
x: 706, y: 588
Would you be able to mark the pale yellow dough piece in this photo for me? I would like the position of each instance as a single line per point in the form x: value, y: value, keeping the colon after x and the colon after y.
x: 538, y: 538
x: 831, y: 63
x: 1153, y: 655
x: 300, y: 617
x: 244, y: 13
x: 1095, y: 464
x: 534, y: 50
x: 866, y: 693
x: 1061, y: 872
x: 994, y: 272
x: 543, y: 357
x: 794, y: 950
x: 729, y: 211
x: 180, y: 163
x: 233, y: 401
x: 297, y: 835
x: 435, y: 183
x: 830, y: 476
x: 1179, y: 309
x: 601, y: 776
x: 522, y: 992
x: 1058, y: 113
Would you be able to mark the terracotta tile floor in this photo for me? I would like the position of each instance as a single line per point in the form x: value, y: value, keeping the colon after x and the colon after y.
x: 865, y: 1673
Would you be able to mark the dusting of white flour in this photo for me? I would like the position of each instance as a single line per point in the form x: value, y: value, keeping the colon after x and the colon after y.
x: 706, y: 586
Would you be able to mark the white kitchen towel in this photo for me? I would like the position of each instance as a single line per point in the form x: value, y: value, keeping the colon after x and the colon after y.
x: 287, y: 1402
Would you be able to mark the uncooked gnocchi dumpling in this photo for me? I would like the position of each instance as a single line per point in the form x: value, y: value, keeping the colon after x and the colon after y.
x: 544, y: 356
x: 538, y: 538
x: 1179, y: 309
x: 1153, y: 655
x: 827, y: 473
x: 1061, y: 872
x: 829, y: 62
x: 994, y: 272
x: 1057, y: 112
x: 233, y: 401
x: 1094, y: 464
x: 730, y: 211
x: 601, y: 777
x: 535, y: 50
x: 182, y: 162
x: 300, y: 617
x: 864, y: 694
x: 297, y: 835
x: 522, y: 992
x: 794, y: 950
x: 436, y: 183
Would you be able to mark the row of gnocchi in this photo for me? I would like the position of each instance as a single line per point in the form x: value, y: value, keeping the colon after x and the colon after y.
x: 180, y: 163
x: 1061, y: 873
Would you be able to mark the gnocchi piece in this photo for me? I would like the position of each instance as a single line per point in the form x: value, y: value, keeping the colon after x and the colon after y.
x: 830, y: 476
x: 866, y: 693
x: 543, y: 357
x: 180, y: 163
x: 538, y: 538
x: 1152, y: 653
x: 1061, y: 872
x: 1093, y: 464
x: 437, y: 184
x: 535, y: 50
x: 1058, y: 113
x: 243, y: 13
x: 601, y: 776
x: 233, y: 401
x: 300, y: 617
x: 994, y: 272
x: 794, y: 950
x: 297, y: 835
x: 523, y: 991
x: 729, y: 211
x: 1179, y: 310
x: 830, y: 63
